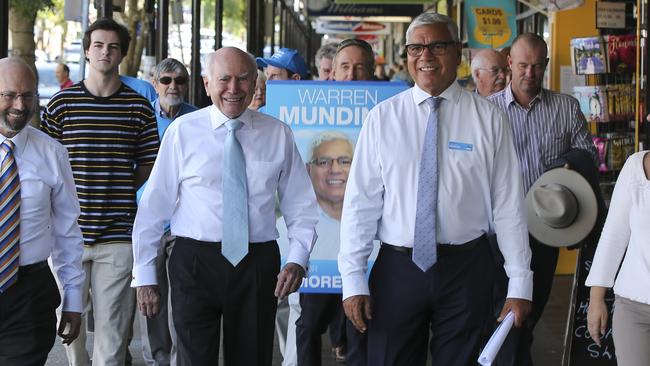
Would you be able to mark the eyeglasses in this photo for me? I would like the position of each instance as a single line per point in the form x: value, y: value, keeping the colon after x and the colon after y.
x: 435, y: 48
x: 10, y: 97
x: 179, y: 80
x: 494, y: 71
x: 326, y: 161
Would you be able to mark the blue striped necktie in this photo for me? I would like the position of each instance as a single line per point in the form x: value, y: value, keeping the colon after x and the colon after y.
x: 9, y: 217
x: 234, y: 243
x: 424, y: 241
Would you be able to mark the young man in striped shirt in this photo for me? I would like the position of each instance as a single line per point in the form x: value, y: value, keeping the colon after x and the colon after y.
x: 111, y: 135
x: 545, y: 126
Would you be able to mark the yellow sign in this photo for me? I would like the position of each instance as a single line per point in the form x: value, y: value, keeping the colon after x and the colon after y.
x: 492, y: 26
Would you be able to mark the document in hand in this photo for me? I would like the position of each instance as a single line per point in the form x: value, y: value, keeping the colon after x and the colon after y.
x: 494, y: 344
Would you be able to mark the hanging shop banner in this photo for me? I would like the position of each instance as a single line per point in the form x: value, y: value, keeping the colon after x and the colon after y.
x: 315, y: 110
x: 330, y: 8
x: 348, y: 27
x: 490, y: 23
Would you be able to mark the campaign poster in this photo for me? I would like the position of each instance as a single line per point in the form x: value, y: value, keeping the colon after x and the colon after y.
x: 326, y: 118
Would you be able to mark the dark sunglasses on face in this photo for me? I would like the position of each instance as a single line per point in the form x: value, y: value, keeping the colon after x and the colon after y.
x: 166, y: 80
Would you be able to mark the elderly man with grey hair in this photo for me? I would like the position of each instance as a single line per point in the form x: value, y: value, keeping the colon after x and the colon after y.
x: 323, y: 59
x: 170, y: 79
x: 216, y: 179
x: 434, y: 172
x: 490, y: 72
x: 354, y: 60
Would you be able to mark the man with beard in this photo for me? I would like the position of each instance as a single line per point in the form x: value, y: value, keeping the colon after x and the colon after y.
x: 170, y: 80
x: 489, y: 71
x: 545, y: 126
x: 38, y: 211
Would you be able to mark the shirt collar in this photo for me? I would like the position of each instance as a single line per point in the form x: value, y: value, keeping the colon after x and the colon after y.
x: 217, y: 118
x: 510, y: 98
x: 20, y: 140
x: 161, y: 113
x: 452, y: 93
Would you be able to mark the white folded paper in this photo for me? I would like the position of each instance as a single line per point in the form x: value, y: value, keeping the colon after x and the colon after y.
x: 494, y: 344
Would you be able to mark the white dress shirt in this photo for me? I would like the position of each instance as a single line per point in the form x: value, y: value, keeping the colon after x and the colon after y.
x: 626, y: 229
x: 49, y: 210
x: 185, y: 187
x: 479, y: 184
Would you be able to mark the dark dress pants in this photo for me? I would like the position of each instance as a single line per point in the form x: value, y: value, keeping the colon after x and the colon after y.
x: 206, y: 288
x: 28, y: 319
x: 317, y: 312
x: 515, y: 350
x: 449, y: 300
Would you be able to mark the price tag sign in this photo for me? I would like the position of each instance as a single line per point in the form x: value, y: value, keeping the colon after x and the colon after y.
x: 490, y: 24
x: 610, y: 15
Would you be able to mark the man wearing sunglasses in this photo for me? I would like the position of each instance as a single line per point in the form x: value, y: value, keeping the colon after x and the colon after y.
x: 434, y: 172
x: 489, y: 72
x: 170, y: 80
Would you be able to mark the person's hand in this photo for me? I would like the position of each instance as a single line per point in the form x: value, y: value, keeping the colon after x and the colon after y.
x: 289, y: 279
x: 72, y: 321
x: 358, y: 309
x: 148, y: 300
x: 597, y: 319
x: 520, y: 307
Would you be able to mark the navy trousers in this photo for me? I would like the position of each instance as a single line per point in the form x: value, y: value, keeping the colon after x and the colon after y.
x: 448, y: 301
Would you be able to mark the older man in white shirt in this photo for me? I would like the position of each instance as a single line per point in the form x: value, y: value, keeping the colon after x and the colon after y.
x: 220, y: 268
x: 434, y: 172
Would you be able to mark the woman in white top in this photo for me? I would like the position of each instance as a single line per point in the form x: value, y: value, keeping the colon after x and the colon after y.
x: 627, y: 228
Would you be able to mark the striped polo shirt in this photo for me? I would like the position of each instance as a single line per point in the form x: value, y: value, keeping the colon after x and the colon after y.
x: 543, y: 133
x: 106, y: 138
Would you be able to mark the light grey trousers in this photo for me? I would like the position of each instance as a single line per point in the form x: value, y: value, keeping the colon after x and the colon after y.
x: 631, y: 328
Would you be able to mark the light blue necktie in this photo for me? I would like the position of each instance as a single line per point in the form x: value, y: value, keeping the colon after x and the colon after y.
x: 424, y: 242
x: 234, y: 243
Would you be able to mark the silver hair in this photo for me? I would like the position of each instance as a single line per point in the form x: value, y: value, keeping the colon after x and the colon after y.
x: 326, y: 51
x: 261, y: 76
x: 326, y: 136
x: 430, y: 19
x: 210, y: 59
x: 170, y: 65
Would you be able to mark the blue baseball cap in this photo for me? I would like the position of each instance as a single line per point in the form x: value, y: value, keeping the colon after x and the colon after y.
x: 286, y: 58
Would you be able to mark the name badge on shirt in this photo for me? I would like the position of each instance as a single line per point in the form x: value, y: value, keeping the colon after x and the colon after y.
x: 463, y: 146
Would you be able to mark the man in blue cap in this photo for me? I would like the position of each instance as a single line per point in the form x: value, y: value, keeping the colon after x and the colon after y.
x: 285, y: 64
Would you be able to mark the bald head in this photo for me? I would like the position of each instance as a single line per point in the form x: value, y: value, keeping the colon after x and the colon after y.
x: 18, y: 100
x: 489, y: 71
x: 230, y: 80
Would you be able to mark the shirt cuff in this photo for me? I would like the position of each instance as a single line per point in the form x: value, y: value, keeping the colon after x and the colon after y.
x: 355, y: 284
x: 72, y: 300
x: 521, y: 288
x: 298, y: 256
x: 143, y: 276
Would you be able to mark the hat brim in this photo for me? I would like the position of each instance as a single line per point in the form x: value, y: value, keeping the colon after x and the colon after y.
x: 264, y: 62
x: 587, y: 210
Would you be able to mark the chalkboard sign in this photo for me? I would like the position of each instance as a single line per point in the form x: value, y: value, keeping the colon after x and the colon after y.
x: 579, y: 348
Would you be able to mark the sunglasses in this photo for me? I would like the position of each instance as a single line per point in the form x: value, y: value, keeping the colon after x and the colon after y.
x: 166, y: 80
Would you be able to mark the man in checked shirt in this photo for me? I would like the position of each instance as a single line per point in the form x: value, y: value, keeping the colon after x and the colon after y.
x: 545, y: 125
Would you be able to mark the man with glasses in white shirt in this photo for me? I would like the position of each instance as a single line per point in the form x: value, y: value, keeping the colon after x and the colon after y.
x: 489, y: 72
x: 431, y: 182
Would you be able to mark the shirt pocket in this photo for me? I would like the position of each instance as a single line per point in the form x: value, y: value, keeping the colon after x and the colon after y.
x: 553, y: 146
